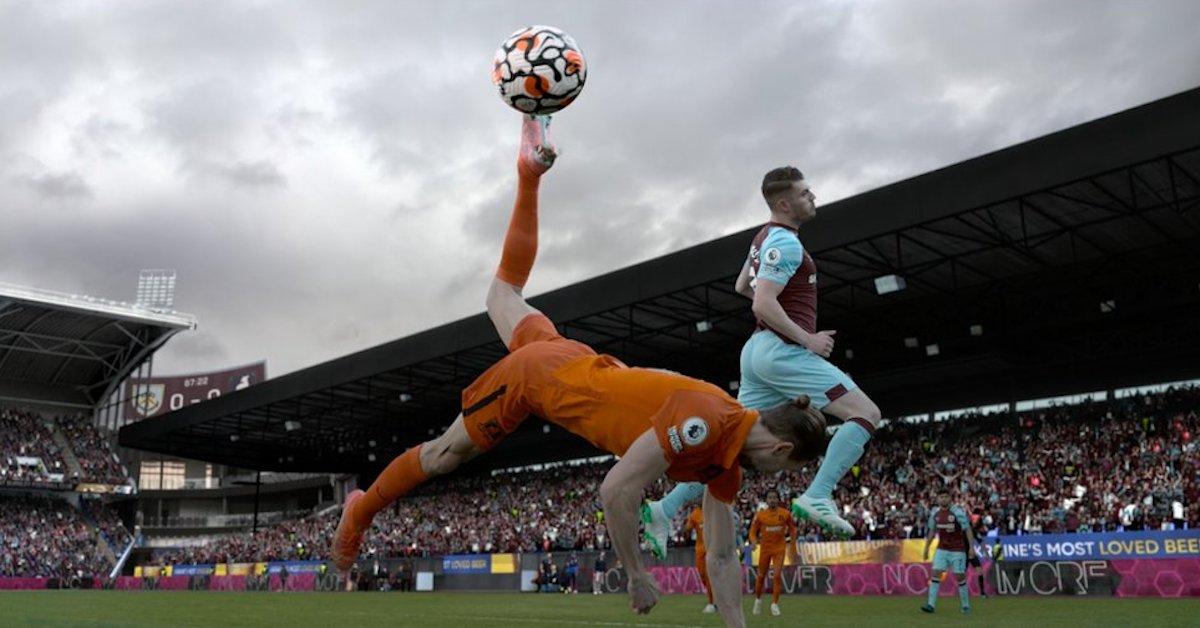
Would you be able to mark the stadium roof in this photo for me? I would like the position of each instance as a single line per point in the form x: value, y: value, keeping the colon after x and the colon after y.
x: 74, y: 350
x: 1062, y: 264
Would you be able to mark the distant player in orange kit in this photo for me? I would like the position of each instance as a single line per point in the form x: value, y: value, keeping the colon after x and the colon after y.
x: 656, y: 421
x: 772, y: 529
x: 695, y: 521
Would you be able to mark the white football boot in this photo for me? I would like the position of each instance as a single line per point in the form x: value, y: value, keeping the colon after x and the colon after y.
x: 823, y: 512
x: 656, y: 528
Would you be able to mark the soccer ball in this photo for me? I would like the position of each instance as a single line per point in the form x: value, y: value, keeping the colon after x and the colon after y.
x: 539, y: 69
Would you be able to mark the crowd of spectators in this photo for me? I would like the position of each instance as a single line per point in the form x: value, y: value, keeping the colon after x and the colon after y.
x: 94, y: 452
x: 523, y: 511
x: 25, y: 435
x: 48, y: 537
x: 30, y: 455
x: 1127, y: 464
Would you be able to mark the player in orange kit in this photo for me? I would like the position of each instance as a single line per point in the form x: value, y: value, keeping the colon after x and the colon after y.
x: 656, y: 421
x: 695, y: 521
x: 774, y: 528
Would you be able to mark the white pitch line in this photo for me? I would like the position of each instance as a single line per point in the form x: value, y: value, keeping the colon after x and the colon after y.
x: 573, y: 622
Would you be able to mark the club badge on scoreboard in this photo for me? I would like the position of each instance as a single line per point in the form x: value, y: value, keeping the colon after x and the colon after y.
x: 148, y: 398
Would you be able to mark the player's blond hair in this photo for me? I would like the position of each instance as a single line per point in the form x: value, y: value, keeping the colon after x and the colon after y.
x: 799, y: 423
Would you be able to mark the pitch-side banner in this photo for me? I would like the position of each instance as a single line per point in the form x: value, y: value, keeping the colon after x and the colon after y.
x: 460, y: 564
x: 862, y: 552
x: 153, y: 396
x: 1103, y: 546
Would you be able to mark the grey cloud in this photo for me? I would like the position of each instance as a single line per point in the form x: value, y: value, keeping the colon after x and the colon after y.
x: 255, y: 174
x: 203, y: 346
x: 205, y: 116
x: 66, y: 185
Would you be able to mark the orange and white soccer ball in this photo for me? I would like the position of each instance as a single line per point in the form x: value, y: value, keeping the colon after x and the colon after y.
x: 539, y: 69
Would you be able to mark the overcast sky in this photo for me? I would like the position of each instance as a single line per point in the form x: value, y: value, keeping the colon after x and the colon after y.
x: 329, y: 176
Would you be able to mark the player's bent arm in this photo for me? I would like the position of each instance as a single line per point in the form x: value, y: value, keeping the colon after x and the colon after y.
x: 742, y: 285
x: 724, y: 569
x: 621, y: 495
x: 767, y: 308
x: 971, y: 543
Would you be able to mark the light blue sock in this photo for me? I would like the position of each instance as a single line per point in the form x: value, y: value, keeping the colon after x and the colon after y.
x: 964, y: 595
x: 933, y: 589
x: 845, y: 448
x: 684, y: 493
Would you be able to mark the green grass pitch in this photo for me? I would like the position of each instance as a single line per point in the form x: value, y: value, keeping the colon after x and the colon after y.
x: 483, y: 610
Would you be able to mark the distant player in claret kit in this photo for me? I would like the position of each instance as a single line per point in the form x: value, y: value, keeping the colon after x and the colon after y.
x: 695, y: 523
x: 955, y: 543
x: 774, y: 530
x: 787, y: 357
x: 657, y: 422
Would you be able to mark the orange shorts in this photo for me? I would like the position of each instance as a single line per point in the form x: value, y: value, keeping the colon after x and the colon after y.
x: 496, y: 403
x: 767, y: 556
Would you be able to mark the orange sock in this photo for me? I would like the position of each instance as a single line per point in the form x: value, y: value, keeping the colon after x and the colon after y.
x: 777, y: 582
x: 401, y: 476
x: 520, y: 243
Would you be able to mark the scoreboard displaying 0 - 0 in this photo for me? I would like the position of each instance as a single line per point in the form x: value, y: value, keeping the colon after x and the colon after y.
x: 152, y: 396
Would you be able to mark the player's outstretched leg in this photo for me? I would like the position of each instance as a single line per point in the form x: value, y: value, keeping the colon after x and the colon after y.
x: 657, y: 516
x: 506, y: 307
x: 407, y: 471
x: 505, y: 304
x: 861, y: 415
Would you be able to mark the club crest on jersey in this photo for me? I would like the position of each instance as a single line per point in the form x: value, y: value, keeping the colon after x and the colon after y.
x: 772, y: 256
x: 695, y: 430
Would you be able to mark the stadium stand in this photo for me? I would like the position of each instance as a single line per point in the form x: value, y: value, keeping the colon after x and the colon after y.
x: 63, y: 358
x: 526, y: 511
x: 50, y: 450
x: 28, y: 452
x: 1114, y: 465
x: 42, y: 532
x: 43, y: 536
x: 94, y: 451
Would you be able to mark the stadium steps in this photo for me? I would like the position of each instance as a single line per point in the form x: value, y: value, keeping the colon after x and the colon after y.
x: 110, y: 549
x: 103, y: 549
x: 68, y: 454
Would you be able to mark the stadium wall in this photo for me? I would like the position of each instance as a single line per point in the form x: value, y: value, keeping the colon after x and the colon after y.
x: 1170, y: 578
x: 1126, y: 564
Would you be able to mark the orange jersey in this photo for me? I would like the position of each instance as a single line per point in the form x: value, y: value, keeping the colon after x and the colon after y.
x: 700, y: 428
x: 695, y: 521
x: 773, y: 527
